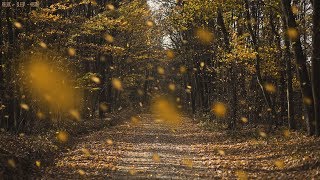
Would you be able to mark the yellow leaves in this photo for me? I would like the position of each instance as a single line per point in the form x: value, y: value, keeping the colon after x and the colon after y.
x: 103, y: 107
x: 170, y: 54
x: 294, y: 9
x: 11, y: 163
x: 219, y: 109
x: 204, y: 35
x: 85, y: 151
x: 38, y: 163
x: 187, y: 162
x: 149, y: 23
x: 62, y: 136
x: 307, y: 100
x: 279, y: 164
x: 109, y: 142
x: 269, y: 87
x: 172, y: 87
x: 110, y: 7
x: 43, y: 45
x: 40, y: 115
x: 202, y: 64
x: 244, y: 119
x: 160, y: 70
x: 75, y: 114
x: 221, y: 152
x: 241, y: 175
x: 108, y: 38
x: 183, y: 69
x: 81, y: 172
x: 24, y: 106
x: 156, y: 157
x: 166, y: 110
x: 286, y: 133
x: 293, y: 34
x: 71, y: 51
x: 48, y: 83
x: 262, y: 134
x: 116, y: 83
x: 17, y: 25
x: 132, y: 171
x: 95, y: 79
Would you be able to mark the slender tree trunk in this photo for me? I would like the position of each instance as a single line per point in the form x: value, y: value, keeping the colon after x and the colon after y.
x: 290, y: 106
x: 301, y: 63
x: 315, y: 71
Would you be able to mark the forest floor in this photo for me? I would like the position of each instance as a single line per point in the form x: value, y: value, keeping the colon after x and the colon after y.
x: 149, y: 150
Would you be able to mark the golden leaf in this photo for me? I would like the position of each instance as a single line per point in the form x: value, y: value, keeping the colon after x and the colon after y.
x: 71, y: 51
x: 116, y: 83
x: 62, y: 136
x: 219, y: 109
x: 24, y: 106
x: 156, y: 157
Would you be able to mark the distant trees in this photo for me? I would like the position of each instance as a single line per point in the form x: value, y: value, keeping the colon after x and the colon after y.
x: 106, y: 45
x: 262, y: 37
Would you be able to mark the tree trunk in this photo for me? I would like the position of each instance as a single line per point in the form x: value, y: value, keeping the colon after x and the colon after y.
x: 301, y: 64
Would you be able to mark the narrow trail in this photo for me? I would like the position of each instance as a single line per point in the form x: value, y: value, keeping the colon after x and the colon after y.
x: 186, y: 153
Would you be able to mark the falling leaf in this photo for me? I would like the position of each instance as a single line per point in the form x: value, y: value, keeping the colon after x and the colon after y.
x: 219, y: 109
x: 81, y: 172
x: 166, y: 110
x: 242, y: 175
x: 11, y: 163
x: 110, y: 7
x: 204, y: 35
x: 109, y: 142
x: 221, y: 152
x: 132, y: 171
x: 269, y: 87
x: 307, y: 100
x: 75, y: 114
x: 116, y: 83
x: 244, y: 119
x: 149, y: 23
x: 108, y: 38
x: 24, y: 106
x: 187, y: 162
x: 103, y: 107
x: 170, y: 54
x: 85, y: 151
x: 62, y: 136
x: 183, y: 69
x: 286, y: 133
x: 293, y: 33
x: 279, y: 164
x: 43, y: 45
x: 95, y: 79
x: 38, y: 163
x: 172, y: 87
x: 202, y: 64
x: 40, y: 115
x: 262, y: 134
x: 71, y: 51
x: 160, y: 70
x: 17, y: 25
x: 156, y: 157
x: 294, y: 10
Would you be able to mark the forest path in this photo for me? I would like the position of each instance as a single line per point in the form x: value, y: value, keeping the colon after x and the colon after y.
x: 189, y: 152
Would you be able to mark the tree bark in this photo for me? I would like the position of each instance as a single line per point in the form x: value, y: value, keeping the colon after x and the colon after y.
x: 301, y: 63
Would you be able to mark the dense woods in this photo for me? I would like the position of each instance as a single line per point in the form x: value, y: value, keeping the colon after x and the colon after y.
x: 237, y: 64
